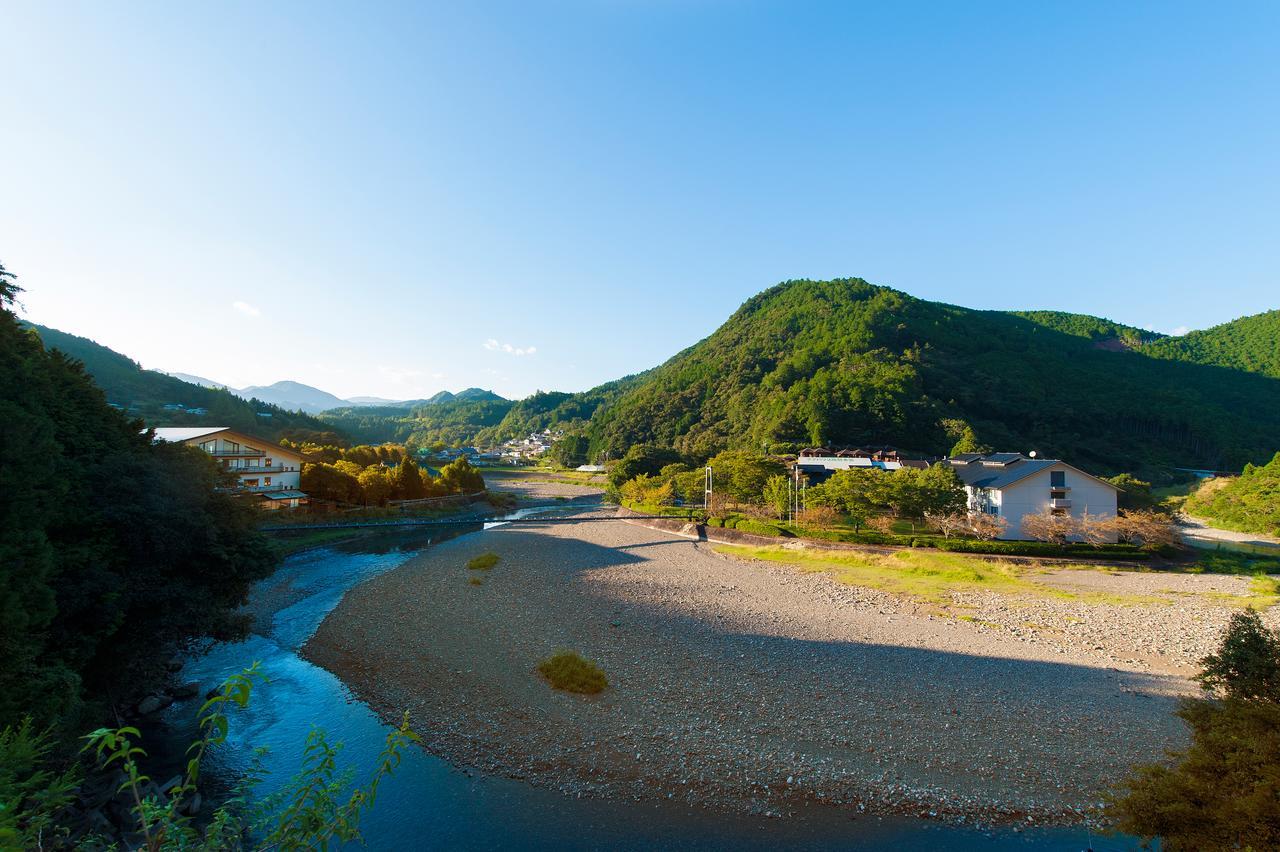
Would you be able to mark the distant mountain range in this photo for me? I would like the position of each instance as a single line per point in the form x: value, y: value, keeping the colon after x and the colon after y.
x: 296, y: 396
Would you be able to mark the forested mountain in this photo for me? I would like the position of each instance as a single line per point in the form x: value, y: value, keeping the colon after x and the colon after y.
x: 1249, y: 343
x: 846, y: 362
x: 145, y: 392
x: 445, y: 418
x: 1103, y: 333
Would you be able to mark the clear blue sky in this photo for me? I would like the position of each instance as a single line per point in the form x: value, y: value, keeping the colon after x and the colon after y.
x: 394, y: 200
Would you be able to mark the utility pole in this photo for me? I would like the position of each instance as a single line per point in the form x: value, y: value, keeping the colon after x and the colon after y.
x: 706, y: 491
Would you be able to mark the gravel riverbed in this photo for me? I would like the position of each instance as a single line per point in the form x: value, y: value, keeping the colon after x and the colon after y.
x: 757, y: 687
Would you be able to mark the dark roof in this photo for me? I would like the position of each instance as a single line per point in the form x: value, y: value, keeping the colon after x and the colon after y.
x: 1000, y: 470
x: 965, y: 458
x: 1000, y: 475
x: 1003, y: 458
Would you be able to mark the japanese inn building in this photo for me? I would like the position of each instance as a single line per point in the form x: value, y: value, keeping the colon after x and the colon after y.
x: 264, y: 470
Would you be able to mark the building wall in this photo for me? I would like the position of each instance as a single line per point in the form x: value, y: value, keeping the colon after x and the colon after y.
x: 275, y: 468
x: 1030, y: 496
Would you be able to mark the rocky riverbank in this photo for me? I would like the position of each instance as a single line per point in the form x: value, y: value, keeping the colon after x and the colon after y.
x: 757, y: 687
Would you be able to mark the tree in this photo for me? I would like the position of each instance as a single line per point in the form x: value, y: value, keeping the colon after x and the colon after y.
x: 948, y: 523
x: 741, y: 476
x: 1046, y: 526
x: 409, y: 484
x: 570, y: 451
x: 912, y: 491
x: 115, y: 551
x: 966, y: 440
x: 1134, y: 493
x: 459, y: 477
x: 777, y: 494
x: 376, y: 485
x: 1152, y: 530
x: 328, y: 482
x: 986, y: 527
x: 641, y: 458
x: 1222, y: 792
x: 1247, y: 663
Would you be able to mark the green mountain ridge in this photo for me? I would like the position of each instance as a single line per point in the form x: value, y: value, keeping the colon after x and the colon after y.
x: 1250, y: 343
x: 847, y: 362
x: 145, y: 392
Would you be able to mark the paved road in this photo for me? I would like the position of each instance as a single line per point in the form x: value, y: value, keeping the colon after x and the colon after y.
x: 1197, y: 532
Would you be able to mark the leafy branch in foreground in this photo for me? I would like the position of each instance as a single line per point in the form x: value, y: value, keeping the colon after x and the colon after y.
x: 314, y: 808
x: 1223, y: 791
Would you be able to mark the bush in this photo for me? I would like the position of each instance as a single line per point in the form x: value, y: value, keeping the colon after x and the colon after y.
x: 715, y: 522
x: 747, y: 525
x: 570, y: 672
x: 484, y: 561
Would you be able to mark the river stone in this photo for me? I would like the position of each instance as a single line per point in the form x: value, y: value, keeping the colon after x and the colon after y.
x: 152, y: 703
x: 189, y: 689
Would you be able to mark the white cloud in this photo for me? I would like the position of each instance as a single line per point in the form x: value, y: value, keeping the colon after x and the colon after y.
x: 1179, y: 331
x: 494, y: 346
x: 246, y: 309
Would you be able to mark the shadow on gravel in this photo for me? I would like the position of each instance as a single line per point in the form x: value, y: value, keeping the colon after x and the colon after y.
x: 1021, y: 731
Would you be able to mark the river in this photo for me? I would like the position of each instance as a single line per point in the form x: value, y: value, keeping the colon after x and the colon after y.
x: 429, y: 804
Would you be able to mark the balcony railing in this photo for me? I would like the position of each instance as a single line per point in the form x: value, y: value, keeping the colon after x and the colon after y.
x: 275, y: 468
x: 235, y: 454
x: 1059, y: 503
x: 256, y: 489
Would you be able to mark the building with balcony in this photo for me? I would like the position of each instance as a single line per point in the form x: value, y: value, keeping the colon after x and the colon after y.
x: 264, y: 470
x: 1013, y: 486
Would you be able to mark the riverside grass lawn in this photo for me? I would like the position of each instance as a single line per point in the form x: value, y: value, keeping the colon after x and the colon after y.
x: 931, y: 576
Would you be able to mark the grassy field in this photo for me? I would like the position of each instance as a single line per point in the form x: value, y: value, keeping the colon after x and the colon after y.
x: 931, y: 577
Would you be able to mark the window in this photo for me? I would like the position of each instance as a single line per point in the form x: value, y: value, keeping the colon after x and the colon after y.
x: 266, y: 480
x: 1057, y: 479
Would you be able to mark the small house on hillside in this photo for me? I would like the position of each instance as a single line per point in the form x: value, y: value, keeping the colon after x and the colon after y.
x: 264, y: 470
x: 1012, y: 486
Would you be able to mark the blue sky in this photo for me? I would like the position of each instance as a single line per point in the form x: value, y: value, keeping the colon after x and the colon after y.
x: 391, y: 200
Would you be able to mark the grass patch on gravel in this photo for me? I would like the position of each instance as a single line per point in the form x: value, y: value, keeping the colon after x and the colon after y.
x: 572, y: 673
x: 484, y: 561
x: 476, y: 581
x: 930, y: 576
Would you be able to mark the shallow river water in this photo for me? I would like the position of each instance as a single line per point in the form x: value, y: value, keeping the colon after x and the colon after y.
x: 428, y: 804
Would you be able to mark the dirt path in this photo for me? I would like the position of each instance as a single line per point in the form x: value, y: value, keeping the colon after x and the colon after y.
x: 1199, y: 530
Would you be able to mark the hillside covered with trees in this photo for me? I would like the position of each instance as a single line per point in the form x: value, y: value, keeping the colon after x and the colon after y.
x: 114, y: 550
x: 1249, y: 343
x: 1247, y: 503
x: 144, y: 393
x: 844, y: 363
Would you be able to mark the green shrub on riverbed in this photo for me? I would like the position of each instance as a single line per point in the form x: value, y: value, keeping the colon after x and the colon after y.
x: 484, y: 561
x: 570, y: 672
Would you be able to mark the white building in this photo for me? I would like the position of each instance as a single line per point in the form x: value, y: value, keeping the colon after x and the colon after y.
x: 1012, y: 486
x: 263, y: 469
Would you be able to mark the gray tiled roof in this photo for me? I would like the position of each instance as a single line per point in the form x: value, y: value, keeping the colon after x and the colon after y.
x: 1000, y: 475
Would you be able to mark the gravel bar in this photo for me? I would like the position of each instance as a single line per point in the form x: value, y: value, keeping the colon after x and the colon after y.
x: 756, y: 687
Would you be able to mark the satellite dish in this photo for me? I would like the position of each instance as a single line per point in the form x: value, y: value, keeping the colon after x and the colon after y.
x: 1032, y: 454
